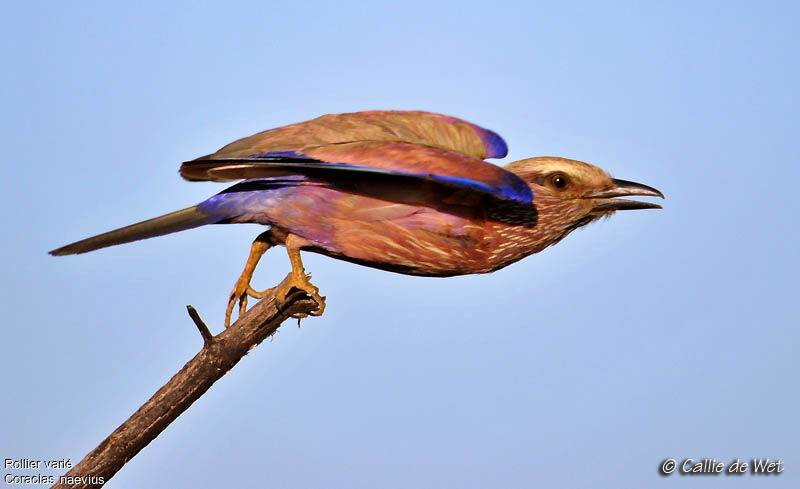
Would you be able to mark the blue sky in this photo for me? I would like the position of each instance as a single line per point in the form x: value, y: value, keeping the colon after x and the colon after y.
x: 650, y: 335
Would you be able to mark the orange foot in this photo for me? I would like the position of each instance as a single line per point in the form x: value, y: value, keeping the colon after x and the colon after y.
x: 297, y: 279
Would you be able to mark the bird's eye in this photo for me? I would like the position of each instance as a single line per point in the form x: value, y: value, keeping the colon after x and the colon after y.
x: 559, y: 181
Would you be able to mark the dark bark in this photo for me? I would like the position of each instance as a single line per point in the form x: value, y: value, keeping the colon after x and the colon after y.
x: 219, y: 354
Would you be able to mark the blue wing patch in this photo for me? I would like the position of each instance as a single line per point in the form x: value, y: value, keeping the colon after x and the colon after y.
x: 511, y: 187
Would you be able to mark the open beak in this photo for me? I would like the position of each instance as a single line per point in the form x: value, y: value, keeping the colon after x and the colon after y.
x: 605, y: 201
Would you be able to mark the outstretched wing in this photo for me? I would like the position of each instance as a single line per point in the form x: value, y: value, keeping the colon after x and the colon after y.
x: 407, y: 163
x: 415, y: 127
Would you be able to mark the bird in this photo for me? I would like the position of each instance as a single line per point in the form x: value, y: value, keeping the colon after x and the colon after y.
x: 403, y: 191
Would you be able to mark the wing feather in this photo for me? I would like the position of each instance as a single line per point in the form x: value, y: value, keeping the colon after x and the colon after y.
x: 365, y: 160
x: 415, y: 127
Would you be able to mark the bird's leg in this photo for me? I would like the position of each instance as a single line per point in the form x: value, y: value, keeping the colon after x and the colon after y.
x: 242, y: 288
x: 298, y: 278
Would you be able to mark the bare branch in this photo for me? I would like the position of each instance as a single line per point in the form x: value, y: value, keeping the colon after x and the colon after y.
x: 219, y: 354
x: 204, y: 331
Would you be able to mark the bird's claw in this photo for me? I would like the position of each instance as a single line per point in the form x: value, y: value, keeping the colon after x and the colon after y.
x: 302, y: 283
x: 242, y: 291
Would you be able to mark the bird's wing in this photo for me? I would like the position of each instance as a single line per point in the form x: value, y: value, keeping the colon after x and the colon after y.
x: 362, y: 162
x: 416, y: 127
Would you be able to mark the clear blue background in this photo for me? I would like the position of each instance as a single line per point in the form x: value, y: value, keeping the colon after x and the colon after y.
x: 653, y: 334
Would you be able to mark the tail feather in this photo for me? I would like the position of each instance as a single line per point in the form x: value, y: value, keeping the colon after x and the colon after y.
x: 169, y: 223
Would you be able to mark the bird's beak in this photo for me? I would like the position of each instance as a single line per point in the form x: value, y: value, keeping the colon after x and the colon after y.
x: 605, y: 201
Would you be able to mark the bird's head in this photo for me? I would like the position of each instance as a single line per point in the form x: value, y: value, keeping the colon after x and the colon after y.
x: 569, y: 194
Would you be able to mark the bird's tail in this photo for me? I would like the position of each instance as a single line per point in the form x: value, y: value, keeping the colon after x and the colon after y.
x: 180, y: 220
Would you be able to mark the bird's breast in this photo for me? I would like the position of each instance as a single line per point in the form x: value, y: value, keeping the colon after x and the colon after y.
x: 428, y: 240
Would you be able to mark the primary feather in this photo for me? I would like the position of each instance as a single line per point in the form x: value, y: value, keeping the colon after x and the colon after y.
x: 366, y: 160
x: 414, y: 127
